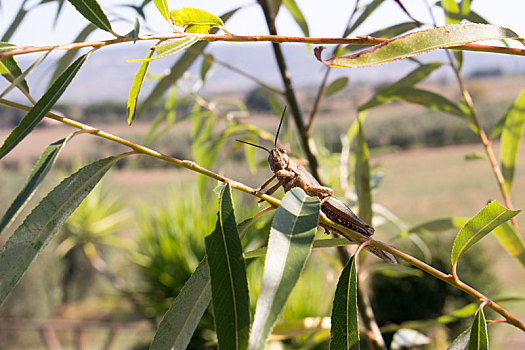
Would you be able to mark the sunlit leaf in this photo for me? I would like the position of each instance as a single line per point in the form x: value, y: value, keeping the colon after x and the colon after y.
x: 39, y: 172
x: 228, y: 278
x: 451, y: 8
x: 291, y: 237
x: 136, y: 86
x: 93, y: 13
x: 173, y: 46
x: 479, y: 338
x: 178, y: 69
x: 195, y: 20
x: 179, y: 323
x: 44, y: 104
x: 162, y: 6
x: 336, y: 86
x: 511, y: 139
x: 30, y: 238
x: 344, y: 331
x: 490, y: 217
x: 511, y: 240
x: 297, y: 15
x: 420, y: 42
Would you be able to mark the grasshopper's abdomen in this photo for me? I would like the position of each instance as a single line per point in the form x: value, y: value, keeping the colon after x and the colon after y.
x: 340, y: 213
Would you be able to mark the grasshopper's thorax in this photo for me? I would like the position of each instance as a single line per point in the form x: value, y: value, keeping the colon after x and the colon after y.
x: 278, y: 159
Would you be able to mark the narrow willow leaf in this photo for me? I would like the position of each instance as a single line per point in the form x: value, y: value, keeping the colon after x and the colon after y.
x: 414, y: 95
x: 369, y: 9
x: 362, y: 176
x: 490, y: 217
x: 136, y: 86
x: 344, y: 332
x: 9, y: 68
x: 336, y: 86
x: 438, y: 225
x: 511, y: 240
x: 289, y: 246
x: 40, y: 226
x: 451, y: 8
x: 297, y: 15
x: 134, y: 33
x: 195, y: 20
x: 178, y: 69
x: 22, y: 12
x: 70, y: 55
x: 92, y: 11
x: 461, y: 341
x: 180, y: 321
x: 394, y: 30
x: 162, y: 6
x: 479, y: 338
x: 406, y: 338
x: 417, y: 75
x: 510, y: 140
x: 206, y: 64
x: 420, y: 42
x: 39, y: 172
x: 173, y: 46
x: 229, y: 285
x: 35, y: 115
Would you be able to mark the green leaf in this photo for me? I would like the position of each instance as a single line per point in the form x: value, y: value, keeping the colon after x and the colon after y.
x: 136, y: 86
x: 180, y: 321
x: 39, y: 172
x: 40, y: 226
x: 490, y: 217
x: 420, y: 42
x: 362, y: 176
x: 344, y: 332
x: 511, y: 240
x: 92, y: 11
x: 451, y: 8
x: 195, y: 20
x: 228, y: 278
x: 35, y: 115
x: 414, y: 95
x: 336, y: 86
x: 510, y: 140
x: 461, y: 341
x: 9, y: 68
x: 162, y: 6
x: 134, y: 33
x: 173, y: 46
x: 479, y: 339
x: 369, y: 9
x: 291, y: 237
x: 395, y: 30
x: 417, y: 75
x: 297, y: 15
x: 438, y: 225
x: 69, y: 56
x: 206, y: 64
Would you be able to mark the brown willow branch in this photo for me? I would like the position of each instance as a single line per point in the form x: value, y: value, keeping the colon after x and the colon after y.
x: 290, y: 93
x: 360, y: 40
x: 349, y: 234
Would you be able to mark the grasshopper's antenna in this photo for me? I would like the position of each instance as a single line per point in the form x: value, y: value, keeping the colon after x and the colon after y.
x: 279, y: 128
x: 254, y: 145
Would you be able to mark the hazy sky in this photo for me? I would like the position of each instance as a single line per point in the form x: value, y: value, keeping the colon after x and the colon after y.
x: 325, y: 18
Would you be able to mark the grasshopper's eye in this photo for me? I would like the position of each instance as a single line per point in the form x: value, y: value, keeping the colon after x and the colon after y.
x: 282, y: 150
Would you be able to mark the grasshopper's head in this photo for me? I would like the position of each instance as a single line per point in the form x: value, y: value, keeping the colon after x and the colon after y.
x: 278, y: 159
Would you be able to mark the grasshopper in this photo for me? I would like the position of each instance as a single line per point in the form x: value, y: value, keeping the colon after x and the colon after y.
x: 291, y: 174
